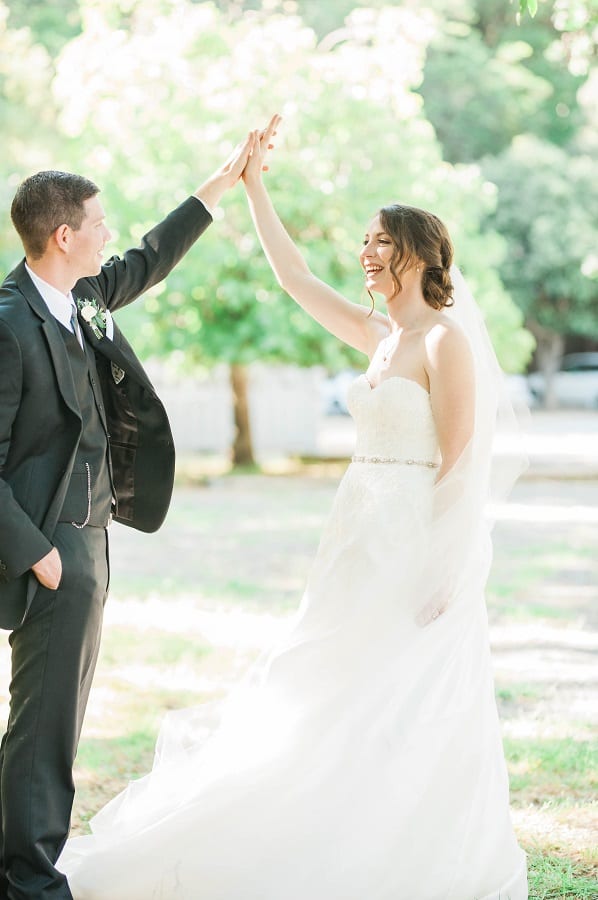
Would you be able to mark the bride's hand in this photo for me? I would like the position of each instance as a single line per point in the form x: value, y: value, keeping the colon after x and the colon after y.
x: 432, y: 611
x: 261, y: 144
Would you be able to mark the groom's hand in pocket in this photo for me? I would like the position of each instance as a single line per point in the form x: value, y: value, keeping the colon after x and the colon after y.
x: 48, y: 570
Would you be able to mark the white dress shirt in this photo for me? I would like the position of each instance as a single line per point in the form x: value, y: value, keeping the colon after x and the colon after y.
x: 60, y: 304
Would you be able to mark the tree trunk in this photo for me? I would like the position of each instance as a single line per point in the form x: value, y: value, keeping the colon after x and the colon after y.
x: 242, y: 445
x: 549, y: 352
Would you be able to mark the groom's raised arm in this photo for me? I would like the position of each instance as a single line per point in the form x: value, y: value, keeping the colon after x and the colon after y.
x: 123, y: 279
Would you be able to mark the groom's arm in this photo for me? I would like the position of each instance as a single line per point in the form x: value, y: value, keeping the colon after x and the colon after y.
x: 122, y: 280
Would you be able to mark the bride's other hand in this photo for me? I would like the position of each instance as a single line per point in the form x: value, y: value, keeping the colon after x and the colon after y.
x: 432, y: 611
x: 351, y: 322
x: 257, y: 157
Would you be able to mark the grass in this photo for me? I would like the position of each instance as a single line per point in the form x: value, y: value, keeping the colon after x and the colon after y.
x: 560, y: 771
x: 553, y: 878
x: 518, y: 693
x: 239, y: 548
x: 151, y: 647
x: 269, y: 527
x: 104, y: 766
x: 525, y: 575
x: 553, y: 786
x: 121, y: 757
x: 243, y: 545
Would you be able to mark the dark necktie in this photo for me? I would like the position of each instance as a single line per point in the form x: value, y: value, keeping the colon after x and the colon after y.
x: 75, y: 324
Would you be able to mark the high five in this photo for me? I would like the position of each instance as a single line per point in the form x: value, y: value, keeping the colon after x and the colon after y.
x: 363, y: 758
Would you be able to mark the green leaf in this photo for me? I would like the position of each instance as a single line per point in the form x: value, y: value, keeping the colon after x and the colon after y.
x: 221, y: 304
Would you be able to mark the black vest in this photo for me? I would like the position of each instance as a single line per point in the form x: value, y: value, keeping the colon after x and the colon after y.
x: 89, y: 495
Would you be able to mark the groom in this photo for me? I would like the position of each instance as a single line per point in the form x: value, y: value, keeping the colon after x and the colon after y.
x: 83, y: 439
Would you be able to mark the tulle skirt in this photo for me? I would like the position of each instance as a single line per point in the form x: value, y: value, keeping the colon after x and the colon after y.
x: 361, y: 760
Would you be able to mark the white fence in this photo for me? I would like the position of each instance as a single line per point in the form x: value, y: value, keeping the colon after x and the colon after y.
x: 284, y: 403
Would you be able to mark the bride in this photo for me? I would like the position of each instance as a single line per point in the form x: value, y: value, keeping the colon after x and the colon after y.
x: 362, y: 760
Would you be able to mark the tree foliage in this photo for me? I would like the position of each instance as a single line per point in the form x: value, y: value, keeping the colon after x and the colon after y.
x: 548, y: 212
x: 185, y: 81
x: 520, y: 106
x: 147, y: 97
x: 27, y: 113
x: 504, y: 79
x: 50, y: 24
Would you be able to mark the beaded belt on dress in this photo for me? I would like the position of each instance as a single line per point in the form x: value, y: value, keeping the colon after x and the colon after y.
x: 396, y: 460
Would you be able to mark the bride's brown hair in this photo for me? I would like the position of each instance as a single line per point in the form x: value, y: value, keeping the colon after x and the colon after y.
x: 419, y: 237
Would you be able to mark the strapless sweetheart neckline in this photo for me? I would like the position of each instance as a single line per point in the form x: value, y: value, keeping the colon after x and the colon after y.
x: 394, y: 378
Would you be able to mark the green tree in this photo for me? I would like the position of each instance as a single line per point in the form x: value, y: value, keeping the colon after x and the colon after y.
x: 181, y: 75
x: 572, y: 15
x: 487, y: 80
x: 27, y: 112
x: 50, y: 24
x: 185, y: 80
x: 548, y: 212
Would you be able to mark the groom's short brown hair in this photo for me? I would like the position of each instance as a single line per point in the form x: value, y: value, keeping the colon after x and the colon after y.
x: 45, y: 201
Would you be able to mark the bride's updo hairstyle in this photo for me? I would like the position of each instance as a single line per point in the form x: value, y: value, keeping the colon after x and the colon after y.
x: 420, y: 238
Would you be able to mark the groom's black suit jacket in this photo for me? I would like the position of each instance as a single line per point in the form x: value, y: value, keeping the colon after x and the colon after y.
x: 40, y: 420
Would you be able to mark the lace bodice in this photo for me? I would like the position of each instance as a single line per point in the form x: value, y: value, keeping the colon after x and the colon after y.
x: 393, y: 419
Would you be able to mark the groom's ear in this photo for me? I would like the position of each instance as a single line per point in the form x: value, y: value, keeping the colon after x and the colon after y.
x: 60, y: 237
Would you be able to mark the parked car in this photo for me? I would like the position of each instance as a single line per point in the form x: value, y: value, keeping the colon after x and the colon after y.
x: 334, y: 392
x: 519, y: 392
x: 575, y: 384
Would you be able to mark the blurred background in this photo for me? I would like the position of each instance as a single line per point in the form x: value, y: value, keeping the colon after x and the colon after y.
x: 483, y: 111
x: 471, y: 108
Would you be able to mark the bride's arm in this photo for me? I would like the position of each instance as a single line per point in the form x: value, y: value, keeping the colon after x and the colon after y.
x: 346, y: 320
x: 449, y: 365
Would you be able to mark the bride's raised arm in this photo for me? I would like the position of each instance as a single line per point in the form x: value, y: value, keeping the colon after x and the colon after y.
x: 351, y: 322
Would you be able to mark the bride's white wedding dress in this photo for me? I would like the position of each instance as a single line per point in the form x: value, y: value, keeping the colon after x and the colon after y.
x: 363, y: 759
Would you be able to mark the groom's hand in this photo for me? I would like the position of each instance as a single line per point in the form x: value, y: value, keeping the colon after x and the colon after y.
x: 48, y: 570
x: 227, y: 175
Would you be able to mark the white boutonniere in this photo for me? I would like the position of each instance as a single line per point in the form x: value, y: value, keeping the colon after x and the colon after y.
x: 93, y: 314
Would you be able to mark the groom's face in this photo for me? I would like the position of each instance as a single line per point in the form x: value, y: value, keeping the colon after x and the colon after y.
x: 86, y: 245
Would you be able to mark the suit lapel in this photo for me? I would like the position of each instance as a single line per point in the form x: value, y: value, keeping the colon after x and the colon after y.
x: 51, y: 330
x: 118, y: 351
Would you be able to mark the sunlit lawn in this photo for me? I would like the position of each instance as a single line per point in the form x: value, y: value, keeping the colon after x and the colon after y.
x: 193, y: 605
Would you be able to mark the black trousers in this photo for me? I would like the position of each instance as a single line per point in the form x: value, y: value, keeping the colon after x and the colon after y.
x: 54, y: 654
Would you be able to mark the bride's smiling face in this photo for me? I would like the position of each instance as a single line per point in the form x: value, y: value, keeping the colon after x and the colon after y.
x: 375, y: 257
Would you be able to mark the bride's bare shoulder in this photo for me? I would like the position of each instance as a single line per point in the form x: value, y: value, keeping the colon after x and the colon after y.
x: 446, y: 343
x: 443, y: 329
